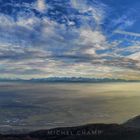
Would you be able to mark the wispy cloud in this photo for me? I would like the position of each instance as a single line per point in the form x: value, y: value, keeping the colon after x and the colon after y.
x: 127, y: 33
x: 55, y: 39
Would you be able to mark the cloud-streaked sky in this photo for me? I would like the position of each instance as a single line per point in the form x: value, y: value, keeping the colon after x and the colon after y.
x: 78, y: 38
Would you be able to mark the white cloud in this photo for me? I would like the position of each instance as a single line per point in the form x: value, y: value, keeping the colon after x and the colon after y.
x: 41, y: 5
x: 5, y: 20
x: 127, y: 33
x: 135, y: 56
x: 93, y: 38
x: 27, y: 22
x: 97, y: 11
x: 90, y: 41
x: 40, y: 47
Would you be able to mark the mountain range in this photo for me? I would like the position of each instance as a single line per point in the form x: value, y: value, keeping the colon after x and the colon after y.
x: 67, y: 80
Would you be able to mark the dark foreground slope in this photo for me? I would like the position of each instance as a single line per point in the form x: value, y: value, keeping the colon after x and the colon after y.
x: 87, y: 132
x: 134, y: 122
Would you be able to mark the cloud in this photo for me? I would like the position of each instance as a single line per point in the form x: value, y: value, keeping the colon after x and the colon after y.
x: 33, y: 44
x: 127, y: 33
x: 41, y: 5
x: 95, y: 10
x: 135, y: 56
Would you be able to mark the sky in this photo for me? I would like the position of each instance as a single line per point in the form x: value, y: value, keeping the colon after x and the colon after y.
x: 70, y: 38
